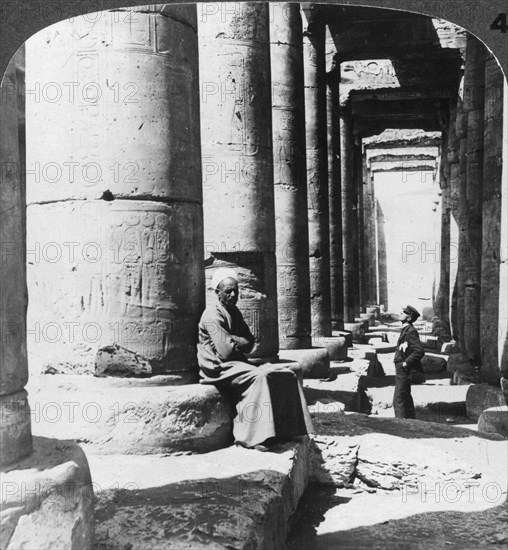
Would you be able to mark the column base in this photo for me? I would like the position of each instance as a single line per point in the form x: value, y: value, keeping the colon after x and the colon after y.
x: 47, y: 499
x: 130, y: 416
x: 494, y: 420
x: 314, y: 362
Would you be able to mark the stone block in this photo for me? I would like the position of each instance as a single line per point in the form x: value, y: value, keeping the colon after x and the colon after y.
x: 47, y: 499
x: 504, y: 388
x: 432, y: 342
x: 384, y: 347
x: 130, y: 416
x: 15, y: 433
x: 433, y: 363
x: 332, y: 461
x: 336, y: 346
x: 117, y: 361
x: 357, y: 330
x: 231, y: 498
x: 454, y: 361
x: 480, y: 397
x: 494, y: 420
x: 348, y: 335
x: 313, y: 362
x: 364, y: 322
x: 450, y: 347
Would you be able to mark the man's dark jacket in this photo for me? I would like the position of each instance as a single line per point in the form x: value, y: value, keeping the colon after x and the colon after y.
x: 412, y: 353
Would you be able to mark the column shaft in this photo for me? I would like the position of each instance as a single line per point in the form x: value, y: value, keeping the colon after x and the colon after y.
x: 357, y: 217
x: 349, y: 229
x: 474, y: 99
x: 236, y: 127
x: 491, y: 231
x: 120, y: 180
x: 289, y: 167
x: 335, y: 206
x: 15, y: 430
x: 317, y: 177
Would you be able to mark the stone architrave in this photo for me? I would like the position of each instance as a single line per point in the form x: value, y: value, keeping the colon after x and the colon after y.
x: 492, y: 253
x: 15, y: 428
x: 236, y: 129
x: 334, y: 197
x: 474, y: 107
x: 349, y: 225
x: 317, y: 175
x: 119, y: 176
x: 290, y: 183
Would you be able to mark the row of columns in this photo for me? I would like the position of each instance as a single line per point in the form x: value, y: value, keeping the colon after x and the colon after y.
x: 275, y: 198
x: 474, y: 183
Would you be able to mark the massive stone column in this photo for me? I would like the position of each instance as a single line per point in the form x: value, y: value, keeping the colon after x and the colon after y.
x: 356, y: 202
x: 492, y: 253
x: 370, y: 239
x: 442, y: 303
x: 47, y: 495
x: 236, y: 126
x: 381, y: 258
x: 362, y: 250
x: 317, y: 174
x: 453, y: 183
x: 119, y: 176
x: 335, y: 203
x: 502, y: 344
x: 474, y: 98
x: 349, y: 225
x: 289, y: 167
x: 15, y: 431
x: 461, y: 131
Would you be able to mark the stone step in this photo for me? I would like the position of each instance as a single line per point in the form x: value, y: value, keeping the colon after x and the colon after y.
x: 231, y: 498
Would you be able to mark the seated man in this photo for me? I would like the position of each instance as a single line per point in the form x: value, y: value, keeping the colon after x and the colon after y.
x: 270, y: 400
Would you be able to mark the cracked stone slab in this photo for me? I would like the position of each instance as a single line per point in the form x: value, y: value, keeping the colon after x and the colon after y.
x: 234, y: 498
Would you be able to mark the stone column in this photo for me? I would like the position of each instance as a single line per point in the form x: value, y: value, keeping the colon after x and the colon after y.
x: 289, y: 167
x: 236, y: 127
x: 317, y: 175
x: 356, y: 201
x: 474, y: 99
x: 335, y: 207
x: 442, y: 304
x: 492, y: 253
x: 362, y: 259
x: 453, y: 183
x: 349, y: 229
x: 503, y: 267
x: 119, y: 176
x: 370, y: 239
x: 381, y: 258
x: 15, y: 429
x: 461, y: 131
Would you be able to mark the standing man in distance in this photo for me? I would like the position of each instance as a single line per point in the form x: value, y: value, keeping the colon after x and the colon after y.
x: 269, y: 399
x: 408, y: 356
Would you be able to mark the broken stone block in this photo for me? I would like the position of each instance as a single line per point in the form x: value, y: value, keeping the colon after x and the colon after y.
x: 357, y: 330
x: 494, y: 420
x: 48, y: 499
x: 118, y: 361
x: 345, y: 334
x: 314, y: 362
x: 332, y: 461
x: 433, y: 363
x: 336, y: 346
x: 432, y: 342
x: 131, y: 415
x: 467, y: 374
x: 454, y: 361
x: 384, y: 347
x: 480, y: 397
x: 450, y: 347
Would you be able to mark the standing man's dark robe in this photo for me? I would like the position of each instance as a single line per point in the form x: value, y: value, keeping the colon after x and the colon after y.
x: 270, y: 400
x: 407, y: 357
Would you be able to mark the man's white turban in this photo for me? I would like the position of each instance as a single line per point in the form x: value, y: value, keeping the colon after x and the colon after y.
x: 223, y: 273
